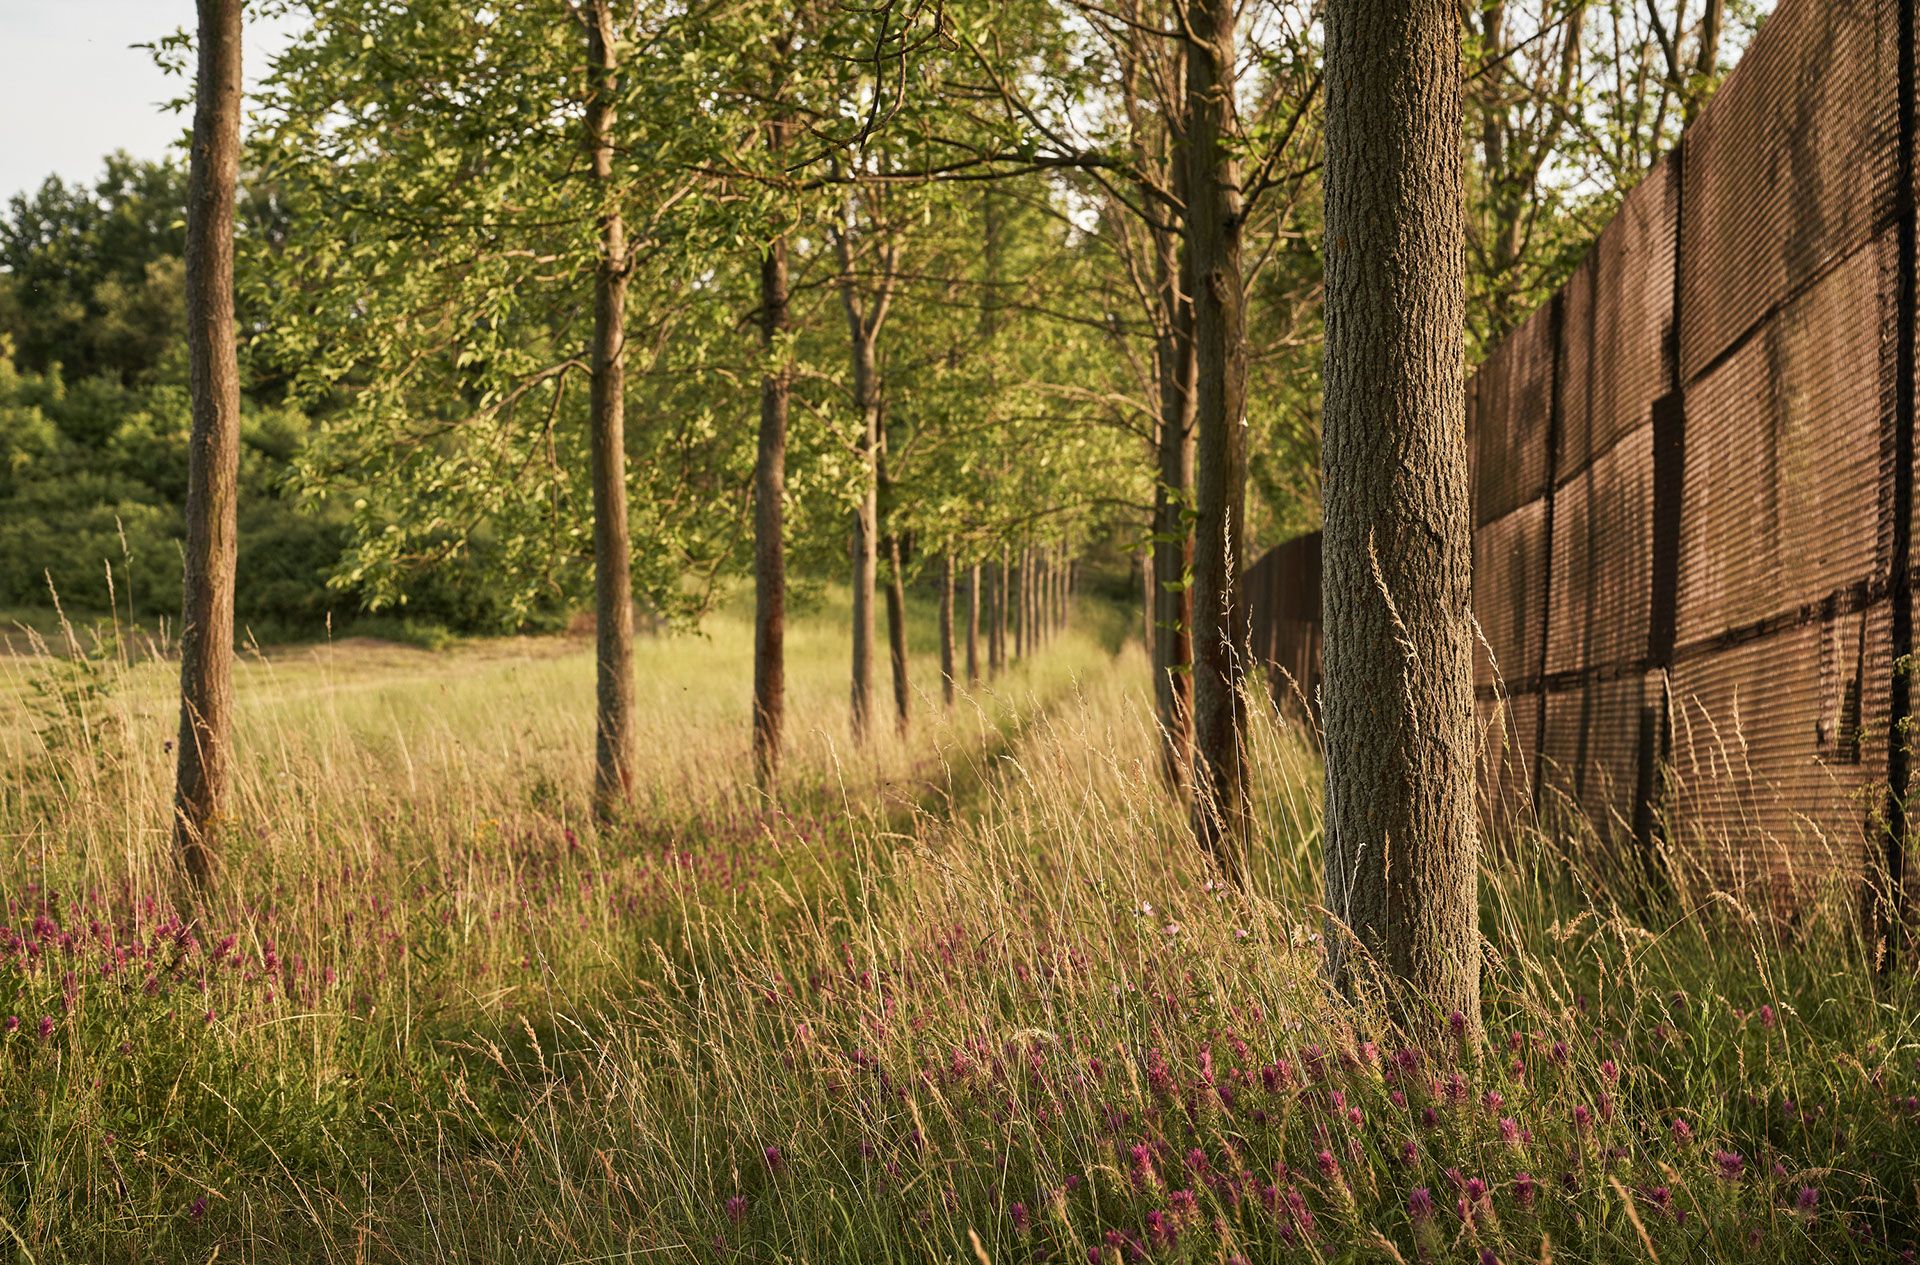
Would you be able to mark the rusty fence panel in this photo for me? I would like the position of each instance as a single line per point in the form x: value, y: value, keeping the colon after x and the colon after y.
x: 1693, y: 476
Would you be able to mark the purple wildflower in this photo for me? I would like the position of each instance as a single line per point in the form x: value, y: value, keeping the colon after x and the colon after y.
x: 1420, y: 1204
x: 736, y: 1208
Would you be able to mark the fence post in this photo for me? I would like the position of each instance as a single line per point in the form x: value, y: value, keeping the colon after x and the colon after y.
x: 1556, y: 338
x: 1900, y: 550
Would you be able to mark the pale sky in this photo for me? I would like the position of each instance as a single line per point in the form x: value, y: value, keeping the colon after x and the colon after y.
x: 72, y: 88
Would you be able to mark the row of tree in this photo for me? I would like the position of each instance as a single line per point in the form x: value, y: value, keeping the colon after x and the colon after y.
x: 1068, y: 242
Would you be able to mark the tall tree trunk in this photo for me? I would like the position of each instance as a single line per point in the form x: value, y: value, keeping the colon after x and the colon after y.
x: 1053, y: 592
x: 1069, y: 567
x: 612, y: 560
x: 1003, y: 604
x: 990, y: 611
x: 866, y: 515
x: 1067, y: 592
x: 1061, y: 582
x: 946, y: 629
x: 1707, y: 64
x: 1023, y: 606
x: 896, y: 591
x: 973, y: 625
x: 769, y: 510
x: 1173, y: 496
x: 1030, y: 591
x: 1042, y: 584
x: 1058, y: 590
x: 1220, y: 815
x: 1401, y: 836
x: 897, y: 634
x: 213, y: 454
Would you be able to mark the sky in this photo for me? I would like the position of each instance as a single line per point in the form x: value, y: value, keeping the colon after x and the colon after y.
x: 72, y: 87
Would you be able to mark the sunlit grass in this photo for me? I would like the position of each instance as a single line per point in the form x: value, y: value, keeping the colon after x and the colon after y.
x: 969, y: 995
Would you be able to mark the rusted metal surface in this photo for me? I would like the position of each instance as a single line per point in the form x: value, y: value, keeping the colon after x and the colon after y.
x: 1511, y: 414
x: 1693, y: 479
x: 1509, y: 587
x: 1781, y: 499
x: 1602, y: 590
x: 1779, y: 750
x: 1283, y: 587
x: 1790, y: 167
x: 1616, y: 347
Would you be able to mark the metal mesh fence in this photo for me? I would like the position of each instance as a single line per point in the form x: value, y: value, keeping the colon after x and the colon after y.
x: 1692, y: 474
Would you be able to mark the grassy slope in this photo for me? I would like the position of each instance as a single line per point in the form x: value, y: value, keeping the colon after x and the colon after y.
x: 968, y: 995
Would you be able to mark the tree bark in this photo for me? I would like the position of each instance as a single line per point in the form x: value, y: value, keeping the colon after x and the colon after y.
x: 1172, y: 498
x: 612, y: 559
x: 1003, y: 604
x: 1069, y: 565
x: 862, y: 330
x: 1220, y: 815
x: 946, y: 629
x: 769, y: 510
x: 973, y: 625
x: 1042, y: 585
x: 1036, y: 578
x: 1707, y: 66
x: 1401, y: 835
x: 213, y: 454
x: 865, y: 564
x: 897, y: 635
x: 1022, y: 608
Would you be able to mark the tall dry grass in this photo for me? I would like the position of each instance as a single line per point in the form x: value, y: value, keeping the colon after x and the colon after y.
x: 971, y: 996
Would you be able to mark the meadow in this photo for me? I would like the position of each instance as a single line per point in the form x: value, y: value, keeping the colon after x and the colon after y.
x: 967, y: 995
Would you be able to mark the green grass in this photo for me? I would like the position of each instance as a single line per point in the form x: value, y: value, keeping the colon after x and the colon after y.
x: 968, y: 995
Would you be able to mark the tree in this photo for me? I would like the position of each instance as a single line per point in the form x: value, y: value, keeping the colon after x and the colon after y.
x: 946, y: 629
x: 442, y: 296
x: 769, y: 504
x: 894, y: 550
x: 1401, y: 833
x: 973, y: 625
x: 213, y: 462
x: 90, y: 278
x: 612, y: 548
x: 1214, y: 219
x: 866, y: 315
